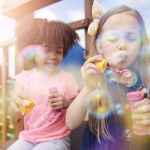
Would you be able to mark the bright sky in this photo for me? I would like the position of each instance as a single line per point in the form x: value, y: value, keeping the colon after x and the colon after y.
x: 7, y: 27
x: 69, y: 11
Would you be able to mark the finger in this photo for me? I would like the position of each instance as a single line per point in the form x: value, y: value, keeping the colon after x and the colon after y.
x: 144, y: 116
x: 53, y: 95
x: 53, y: 99
x: 20, y: 101
x: 56, y: 103
x: 142, y: 122
x: 57, y: 108
x: 89, y: 69
x: 56, y: 100
x: 94, y: 59
x: 89, y: 66
x: 15, y: 107
x: 142, y: 109
x: 144, y: 101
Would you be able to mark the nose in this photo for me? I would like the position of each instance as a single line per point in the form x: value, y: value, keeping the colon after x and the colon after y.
x: 122, y: 45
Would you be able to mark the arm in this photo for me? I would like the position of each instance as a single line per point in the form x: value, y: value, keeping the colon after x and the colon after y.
x: 77, y: 110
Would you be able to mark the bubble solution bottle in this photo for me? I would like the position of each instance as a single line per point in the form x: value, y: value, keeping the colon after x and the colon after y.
x: 28, y: 107
x: 134, y: 97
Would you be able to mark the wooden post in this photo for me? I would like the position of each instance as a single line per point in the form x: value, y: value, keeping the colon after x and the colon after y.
x: 88, y: 16
x: 4, y: 79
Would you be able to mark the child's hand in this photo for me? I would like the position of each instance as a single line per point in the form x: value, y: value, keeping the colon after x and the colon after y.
x: 18, y: 102
x: 58, y: 101
x: 90, y: 72
x: 141, y: 112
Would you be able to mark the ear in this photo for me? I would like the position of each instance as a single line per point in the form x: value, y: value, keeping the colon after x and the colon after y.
x: 98, y: 47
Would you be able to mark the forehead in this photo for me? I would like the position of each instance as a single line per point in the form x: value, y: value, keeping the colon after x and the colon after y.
x: 121, y: 21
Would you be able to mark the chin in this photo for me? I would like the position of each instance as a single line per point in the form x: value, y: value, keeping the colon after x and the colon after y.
x: 123, y: 66
x: 51, y: 65
x: 120, y: 66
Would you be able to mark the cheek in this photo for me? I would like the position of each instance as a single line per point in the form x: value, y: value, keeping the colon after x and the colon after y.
x: 40, y: 60
x: 60, y: 58
x: 108, y: 50
x: 134, y: 50
x: 133, y: 55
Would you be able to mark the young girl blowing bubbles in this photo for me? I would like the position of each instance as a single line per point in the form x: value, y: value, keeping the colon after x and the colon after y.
x: 122, y: 41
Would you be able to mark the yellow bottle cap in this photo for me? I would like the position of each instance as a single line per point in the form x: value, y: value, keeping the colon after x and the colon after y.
x: 102, y: 65
x: 28, y: 108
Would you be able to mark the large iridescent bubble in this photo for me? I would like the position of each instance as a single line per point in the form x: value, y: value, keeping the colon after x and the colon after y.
x: 96, y: 106
x: 33, y: 56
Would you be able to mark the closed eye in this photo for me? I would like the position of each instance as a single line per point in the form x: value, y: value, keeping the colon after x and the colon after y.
x: 111, y: 37
x: 131, y: 36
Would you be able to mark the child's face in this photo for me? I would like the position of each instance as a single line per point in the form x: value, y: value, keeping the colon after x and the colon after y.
x: 53, y: 57
x: 43, y: 56
x: 120, y: 40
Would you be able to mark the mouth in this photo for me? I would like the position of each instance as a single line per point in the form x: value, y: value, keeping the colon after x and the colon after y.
x: 122, y: 56
x: 51, y: 62
x: 119, y: 59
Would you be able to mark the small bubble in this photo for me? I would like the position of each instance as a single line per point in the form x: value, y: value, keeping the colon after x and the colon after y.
x: 119, y: 109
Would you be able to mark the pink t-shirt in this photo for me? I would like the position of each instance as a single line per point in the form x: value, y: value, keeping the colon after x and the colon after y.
x: 43, y: 123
